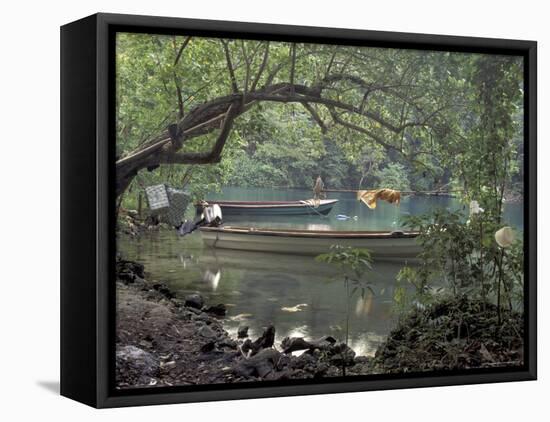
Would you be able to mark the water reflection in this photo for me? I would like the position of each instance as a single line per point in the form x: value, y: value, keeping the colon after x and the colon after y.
x: 384, y: 217
x: 364, y: 304
x: 212, y: 278
x: 300, y: 296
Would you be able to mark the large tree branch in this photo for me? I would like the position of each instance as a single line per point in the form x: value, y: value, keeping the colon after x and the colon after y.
x: 214, y: 155
x: 201, y: 119
x: 182, y: 131
x: 205, y: 118
x: 391, y: 89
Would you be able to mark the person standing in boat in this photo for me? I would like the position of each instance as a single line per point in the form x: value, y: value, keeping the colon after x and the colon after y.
x: 318, y: 191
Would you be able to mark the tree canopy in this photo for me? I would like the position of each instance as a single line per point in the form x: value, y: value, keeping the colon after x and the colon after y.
x: 260, y: 113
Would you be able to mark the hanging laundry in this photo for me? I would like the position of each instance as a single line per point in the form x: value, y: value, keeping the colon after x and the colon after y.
x: 369, y: 197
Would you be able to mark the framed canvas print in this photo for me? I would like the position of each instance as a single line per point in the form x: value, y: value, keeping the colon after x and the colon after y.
x: 253, y: 210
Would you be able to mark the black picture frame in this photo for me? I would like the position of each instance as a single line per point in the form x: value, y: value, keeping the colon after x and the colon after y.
x: 87, y: 211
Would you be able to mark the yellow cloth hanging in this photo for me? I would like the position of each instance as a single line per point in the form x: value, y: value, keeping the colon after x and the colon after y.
x: 369, y: 197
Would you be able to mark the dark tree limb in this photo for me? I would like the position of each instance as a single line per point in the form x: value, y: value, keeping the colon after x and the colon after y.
x: 337, y: 119
x: 176, y: 82
x: 200, y: 119
x: 214, y: 155
x: 314, y: 98
x: 180, y: 98
x: 164, y: 151
x: 230, y: 67
x: 247, y: 71
x: 203, y: 118
x: 262, y: 68
x: 183, y: 45
x: 330, y: 63
x: 316, y: 117
x: 292, y: 63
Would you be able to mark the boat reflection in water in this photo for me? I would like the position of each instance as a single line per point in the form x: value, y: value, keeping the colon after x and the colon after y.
x: 298, y: 295
x: 364, y: 303
x: 212, y: 278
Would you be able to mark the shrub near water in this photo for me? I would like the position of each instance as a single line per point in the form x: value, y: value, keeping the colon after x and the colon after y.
x: 456, y: 333
x: 466, y: 298
x: 461, y: 257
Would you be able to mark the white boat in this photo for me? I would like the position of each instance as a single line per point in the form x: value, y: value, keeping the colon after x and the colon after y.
x: 381, y: 244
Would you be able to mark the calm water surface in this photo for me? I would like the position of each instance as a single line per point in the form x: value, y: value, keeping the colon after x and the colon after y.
x: 300, y: 296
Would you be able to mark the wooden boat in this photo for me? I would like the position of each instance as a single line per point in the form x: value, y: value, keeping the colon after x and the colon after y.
x: 382, y: 245
x: 305, y: 207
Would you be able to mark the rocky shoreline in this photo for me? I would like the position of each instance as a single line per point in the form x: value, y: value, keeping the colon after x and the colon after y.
x: 163, y: 340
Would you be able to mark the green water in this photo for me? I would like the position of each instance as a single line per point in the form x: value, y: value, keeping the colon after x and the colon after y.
x: 384, y: 217
x: 300, y: 296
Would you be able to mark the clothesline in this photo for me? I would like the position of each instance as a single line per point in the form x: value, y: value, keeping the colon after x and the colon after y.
x: 428, y: 193
x: 432, y: 192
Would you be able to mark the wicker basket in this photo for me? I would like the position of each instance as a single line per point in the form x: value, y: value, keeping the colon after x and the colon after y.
x: 169, y: 203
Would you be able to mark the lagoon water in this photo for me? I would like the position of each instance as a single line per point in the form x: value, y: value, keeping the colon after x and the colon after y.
x: 298, y: 295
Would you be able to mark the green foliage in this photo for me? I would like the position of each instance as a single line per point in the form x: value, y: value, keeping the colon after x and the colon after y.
x: 393, y: 176
x: 452, y: 334
x: 484, y: 148
x: 422, y: 295
x: 278, y: 147
x: 447, y: 244
x: 334, y: 167
x: 354, y: 263
x: 484, y: 154
x: 462, y: 256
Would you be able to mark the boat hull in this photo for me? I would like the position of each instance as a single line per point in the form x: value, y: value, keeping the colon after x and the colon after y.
x: 381, y: 245
x: 274, y: 208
